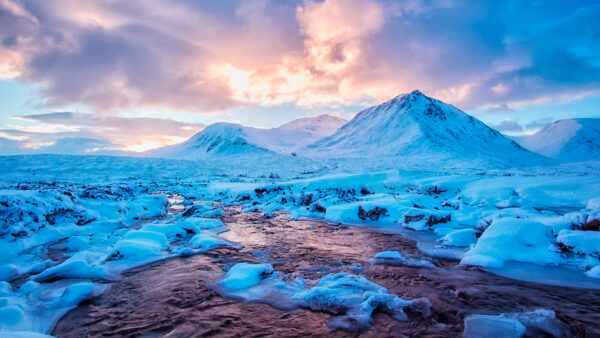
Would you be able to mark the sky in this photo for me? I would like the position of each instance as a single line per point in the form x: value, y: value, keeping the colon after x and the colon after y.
x: 107, y: 76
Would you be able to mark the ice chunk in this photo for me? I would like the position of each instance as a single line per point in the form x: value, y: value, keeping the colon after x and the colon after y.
x: 213, y: 213
x: 81, y: 265
x: 482, y: 326
x: 538, y: 323
x: 460, y: 237
x: 200, y: 223
x: 150, y: 236
x: 170, y: 230
x: 357, y: 298
x: 389, y: 255
x: 74, y: 294
x: 136, y: 249
x: 244, y: 275
x: 205, y: 241
x: 542, y: 322
x: 395, y: 258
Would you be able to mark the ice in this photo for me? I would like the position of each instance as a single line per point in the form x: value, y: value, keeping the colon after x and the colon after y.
x: 137, y: 249
x: 81, y: 265
x: 547, y: 274
x: 170, y: 230
x: 200, y: 223
x: 213, y: 213
x: 205, y: 241
x: 24, y: 334
x: 150, y: 236
x: 244, y: 275
x: 537, y: 323
x: 482, y: 326
x: 357, y: 298
x: 352, y: 297
x: 37, y: 307
x: 460, y: 237
x: 394, y: 255
x: 395, y: 258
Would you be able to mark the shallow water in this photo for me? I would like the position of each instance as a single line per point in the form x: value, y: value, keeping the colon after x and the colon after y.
x: 171, y: 298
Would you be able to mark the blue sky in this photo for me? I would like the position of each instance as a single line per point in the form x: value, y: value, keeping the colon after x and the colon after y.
x: 138, y: 75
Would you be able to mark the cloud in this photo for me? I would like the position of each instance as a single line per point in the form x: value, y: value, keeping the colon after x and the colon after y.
x: 500, y: 108
x: 333, y: 58
x: 509, y: 126
x: 539, y: 123
x: 100, y: 133
x: 214, y: 56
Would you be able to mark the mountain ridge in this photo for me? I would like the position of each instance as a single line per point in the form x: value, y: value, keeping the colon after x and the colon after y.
x: 568, y: 140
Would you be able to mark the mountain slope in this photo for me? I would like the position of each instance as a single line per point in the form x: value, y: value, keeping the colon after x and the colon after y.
x: 570, y: 140
x: 418, y: 129
x: 230, y: 139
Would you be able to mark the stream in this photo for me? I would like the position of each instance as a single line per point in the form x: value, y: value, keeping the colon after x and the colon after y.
x: 170, y: 298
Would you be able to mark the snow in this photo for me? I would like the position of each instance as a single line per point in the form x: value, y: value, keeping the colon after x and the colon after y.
x: 244, y: 275
x: 594, y: 272
x: 582, y: 242
x: 569, y: 140
x: 513, y: 240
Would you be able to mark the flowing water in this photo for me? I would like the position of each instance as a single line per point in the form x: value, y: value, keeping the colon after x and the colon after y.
x: 171, y: 298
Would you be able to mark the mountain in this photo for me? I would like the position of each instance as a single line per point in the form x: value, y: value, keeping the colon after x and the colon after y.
x: 227, y: 139
x: 570, y: 140
x: 414, y: 128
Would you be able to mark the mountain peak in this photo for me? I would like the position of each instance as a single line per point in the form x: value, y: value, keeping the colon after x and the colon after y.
x: 420, y: 129
x: 416, y: 92
x: 569, y: 140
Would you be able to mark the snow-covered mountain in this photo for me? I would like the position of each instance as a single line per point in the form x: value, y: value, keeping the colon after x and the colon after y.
x: 414, y: 128
x: 227, y: 139
x: 570, y: 140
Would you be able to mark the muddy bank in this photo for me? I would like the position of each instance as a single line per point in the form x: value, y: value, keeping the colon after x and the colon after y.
x: 170, y: 297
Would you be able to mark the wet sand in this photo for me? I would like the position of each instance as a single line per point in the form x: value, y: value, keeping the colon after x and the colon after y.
x: 170, y: 298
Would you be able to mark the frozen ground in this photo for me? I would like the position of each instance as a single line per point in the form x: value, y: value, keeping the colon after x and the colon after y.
x: 72, y: 226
